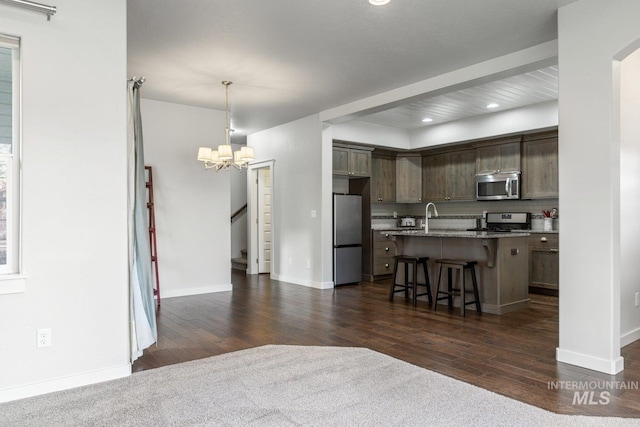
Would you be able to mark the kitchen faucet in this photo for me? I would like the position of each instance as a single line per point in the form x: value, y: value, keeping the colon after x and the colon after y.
x: 426, y: 215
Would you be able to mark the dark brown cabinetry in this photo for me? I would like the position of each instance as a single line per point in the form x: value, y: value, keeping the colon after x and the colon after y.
x: 540, y: 166
x: 351, y: 162
x: 383, y: 178
x: 408, y: 178
x: 544, y: 261
x: 503, y: 157
x: 384, y: 250
x: 449, y: 176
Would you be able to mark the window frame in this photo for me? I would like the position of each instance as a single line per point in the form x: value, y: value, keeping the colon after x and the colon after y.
x: 11, y: 278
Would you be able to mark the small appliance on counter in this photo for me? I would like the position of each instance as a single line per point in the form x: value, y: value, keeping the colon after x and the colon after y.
x: 506, y: 222
x: 407, y: 222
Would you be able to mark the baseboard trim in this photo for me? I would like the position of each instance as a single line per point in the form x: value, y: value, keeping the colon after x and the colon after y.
x: 607, y: 366
x: 65, y: 383
x: 173, y: 293
x: 629, y: 337
x: 316, y: 285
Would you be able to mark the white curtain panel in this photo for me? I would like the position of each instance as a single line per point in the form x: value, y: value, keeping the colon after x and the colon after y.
x: 143, y: 330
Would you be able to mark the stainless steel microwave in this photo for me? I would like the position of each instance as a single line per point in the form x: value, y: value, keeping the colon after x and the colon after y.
x: 498, y: 186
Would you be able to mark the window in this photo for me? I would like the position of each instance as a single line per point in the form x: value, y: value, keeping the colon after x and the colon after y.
x: 9, y: 155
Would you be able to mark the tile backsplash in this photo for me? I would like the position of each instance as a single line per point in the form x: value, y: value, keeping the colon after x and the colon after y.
x: 461, y: 215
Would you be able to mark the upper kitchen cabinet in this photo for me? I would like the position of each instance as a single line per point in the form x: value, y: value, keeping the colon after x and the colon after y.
x: 540, y: 166
x: 501, y: 157
x: 351, y: 161
x: 449, y: 176
x: 408, y: 178
x: 383, y: 177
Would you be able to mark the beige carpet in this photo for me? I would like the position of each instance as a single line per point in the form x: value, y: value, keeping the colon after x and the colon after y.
x: 286, y: 386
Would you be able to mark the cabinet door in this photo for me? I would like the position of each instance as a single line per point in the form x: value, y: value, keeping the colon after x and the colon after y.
x: 340, y: 161
x: 360, y: 162
x: 383, y: 179
x: 540, y: 169
x: 494, y: 158
x: 408, y: 179
x: 434, y: 182
x: 510, y: 157
x: 461, y: 175
x: 487, y: 159
x: 544, y: 261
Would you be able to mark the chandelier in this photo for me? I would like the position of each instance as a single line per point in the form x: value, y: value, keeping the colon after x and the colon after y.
x: 224, y: 157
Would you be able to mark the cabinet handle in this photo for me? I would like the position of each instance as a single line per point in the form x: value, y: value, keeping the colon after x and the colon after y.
x: 386, y: 235
x: 386, y: 265
x: 543, y: 239
x: 386, y: 249
x: 554, y: 250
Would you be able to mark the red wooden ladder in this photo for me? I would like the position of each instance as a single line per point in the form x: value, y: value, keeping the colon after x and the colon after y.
x: 152, y: 232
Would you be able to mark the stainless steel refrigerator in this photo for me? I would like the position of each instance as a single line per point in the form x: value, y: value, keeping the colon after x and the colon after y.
x: 347, y: 238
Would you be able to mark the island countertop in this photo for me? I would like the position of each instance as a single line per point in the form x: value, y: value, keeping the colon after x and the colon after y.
x: 457, y: 233
x: 502, y: 261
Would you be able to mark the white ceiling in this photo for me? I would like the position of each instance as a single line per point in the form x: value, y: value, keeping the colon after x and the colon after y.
x: 292, y: 58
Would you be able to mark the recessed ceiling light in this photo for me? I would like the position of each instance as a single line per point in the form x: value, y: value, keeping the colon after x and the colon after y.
x: 379, y: 2
x: 492, y: 105
x: 427, y: 120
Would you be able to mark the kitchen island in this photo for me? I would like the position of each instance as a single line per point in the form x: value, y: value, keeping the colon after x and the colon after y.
x: 503, y: 262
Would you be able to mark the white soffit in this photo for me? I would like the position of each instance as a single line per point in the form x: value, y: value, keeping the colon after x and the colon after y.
x: 512, y: 92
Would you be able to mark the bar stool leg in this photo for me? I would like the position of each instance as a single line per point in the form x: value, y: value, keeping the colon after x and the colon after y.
x: 450, y: 287
x: 415, y: 283
x: 406, y: 280
x: 435, y: 301
x: 427, y: 282
x: 476, y: 294
x: 393, y: 280
x: 463, y: 301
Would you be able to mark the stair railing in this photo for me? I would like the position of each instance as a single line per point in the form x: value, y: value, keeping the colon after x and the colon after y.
x: 238, y: 212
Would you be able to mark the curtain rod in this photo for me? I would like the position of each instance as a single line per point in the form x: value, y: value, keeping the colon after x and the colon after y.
x: 138, y: 81
x: 38, y: 7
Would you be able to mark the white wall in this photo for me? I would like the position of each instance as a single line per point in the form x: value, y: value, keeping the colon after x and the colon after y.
x: 297, y: 189
x: 74, y: 207
x: 630, y: 197
x: 589, y: 167
x: 371, y: 133
x: 238, y: 199
x: 539, y: 116
x: 192, y: 204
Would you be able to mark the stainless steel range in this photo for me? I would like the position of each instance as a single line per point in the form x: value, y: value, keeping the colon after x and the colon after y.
x: 506, y: 221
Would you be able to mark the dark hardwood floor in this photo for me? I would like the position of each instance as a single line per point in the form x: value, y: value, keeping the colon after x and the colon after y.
x: 512, y: 354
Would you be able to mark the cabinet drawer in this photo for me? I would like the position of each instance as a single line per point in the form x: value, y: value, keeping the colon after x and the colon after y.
x: 384, y: 249
x: 381, y: 236
x: 543, y: 241
x: 382, y: 265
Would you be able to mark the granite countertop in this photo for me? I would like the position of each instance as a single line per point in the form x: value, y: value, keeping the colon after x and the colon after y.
x: 457, y: 233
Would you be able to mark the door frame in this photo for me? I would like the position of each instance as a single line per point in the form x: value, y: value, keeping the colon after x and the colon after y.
x: 252, y: 217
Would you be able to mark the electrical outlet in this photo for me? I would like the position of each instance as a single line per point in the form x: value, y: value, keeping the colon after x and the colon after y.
x: 43, y: 338
x: 637, y: 299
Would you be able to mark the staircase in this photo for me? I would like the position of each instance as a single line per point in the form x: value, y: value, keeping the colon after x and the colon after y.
x: 240, y: 263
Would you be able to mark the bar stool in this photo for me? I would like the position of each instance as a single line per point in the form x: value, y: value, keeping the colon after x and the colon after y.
x: 462, y: 266
x: 408, y: 284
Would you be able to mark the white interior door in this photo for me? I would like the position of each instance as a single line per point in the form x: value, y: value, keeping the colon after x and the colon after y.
x: 264, y: 220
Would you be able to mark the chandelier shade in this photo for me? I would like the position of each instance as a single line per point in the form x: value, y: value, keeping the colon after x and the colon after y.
x: 224, y: 157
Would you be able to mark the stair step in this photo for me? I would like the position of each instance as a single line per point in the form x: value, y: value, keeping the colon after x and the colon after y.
x: 239, y: 263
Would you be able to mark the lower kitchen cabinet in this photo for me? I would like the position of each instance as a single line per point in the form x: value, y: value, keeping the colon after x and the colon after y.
x: 544, y: 262
x: 384, y: 249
